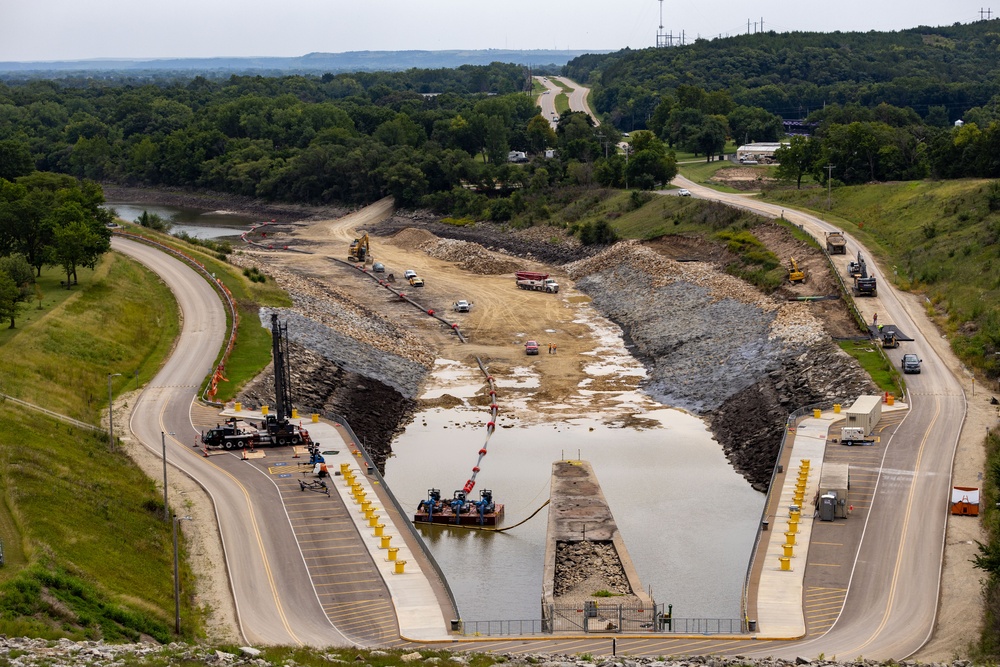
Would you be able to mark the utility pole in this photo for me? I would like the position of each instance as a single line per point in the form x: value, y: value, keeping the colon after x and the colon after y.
x: 163, y: 441
x: 829, y: 185
x: 111, y: 414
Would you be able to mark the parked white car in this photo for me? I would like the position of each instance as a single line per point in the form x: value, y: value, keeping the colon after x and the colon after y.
x: 462, y: 306
x: 683, y: 193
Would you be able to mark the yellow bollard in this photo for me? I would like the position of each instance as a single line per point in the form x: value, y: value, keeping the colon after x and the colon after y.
x: 359, y: 497
x: 804, y: 463
x: 366, y: 506
x: 794, y: 514
x: 788, y: 550
x: 373, y: 520
x: 345, y: 469
x: 803, y: 475
x: 793, y: 526
x: 295, y: 413
x: 385, y: 541
x: 315, y: 418
x: 800, y: 489
x: 238, y: 406
x: 817, y: 413
x: 400, y: 564
x: 392, y: 553
x: 263, y: 410
x: 836, y: 408
x: 379, y: 528
x: 786, y: 563
x: 789, y: 539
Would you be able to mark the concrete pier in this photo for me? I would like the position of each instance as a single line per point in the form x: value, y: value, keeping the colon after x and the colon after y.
x: 585, y: 554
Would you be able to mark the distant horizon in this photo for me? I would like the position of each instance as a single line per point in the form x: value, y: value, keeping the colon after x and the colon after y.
x: 64, y: 30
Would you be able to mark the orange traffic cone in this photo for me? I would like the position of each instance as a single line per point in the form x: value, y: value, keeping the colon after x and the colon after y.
x: 244, y: 454
x: 205, y: 451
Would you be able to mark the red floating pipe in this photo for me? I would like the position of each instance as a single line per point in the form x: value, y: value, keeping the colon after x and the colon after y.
x: 482, y: 452
x: 475, y: 469
x: 430, y: 311
x: 490, y: 424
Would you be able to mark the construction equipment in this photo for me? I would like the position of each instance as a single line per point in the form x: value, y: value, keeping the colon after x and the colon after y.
x: 459, y: 510
x: 795, y: 274
x: 360, y: 250
x: 889, y: 340
x: 536, y: 281
x: 836, y: 244
x: 854, y: 269
x: 229, y: 436
x: 855, y: 435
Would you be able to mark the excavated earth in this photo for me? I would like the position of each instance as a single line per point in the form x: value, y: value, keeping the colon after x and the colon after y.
x: 711, y: 344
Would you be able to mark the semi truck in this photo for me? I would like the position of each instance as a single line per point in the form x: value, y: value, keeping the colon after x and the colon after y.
x: 539, y: 282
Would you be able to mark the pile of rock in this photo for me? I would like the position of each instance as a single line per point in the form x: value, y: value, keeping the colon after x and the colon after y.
x: 584, y: 567
x: 471, y: 257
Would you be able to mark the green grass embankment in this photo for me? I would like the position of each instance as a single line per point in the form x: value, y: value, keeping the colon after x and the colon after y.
x: 88, y: 553
x: 561, y: 103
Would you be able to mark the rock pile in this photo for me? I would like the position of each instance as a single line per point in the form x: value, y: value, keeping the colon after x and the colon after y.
x: 583, y: 568
x: 471, y: 257
x: 32, y: 652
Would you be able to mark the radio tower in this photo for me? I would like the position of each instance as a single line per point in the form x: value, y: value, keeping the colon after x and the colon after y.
x: 664, y: 39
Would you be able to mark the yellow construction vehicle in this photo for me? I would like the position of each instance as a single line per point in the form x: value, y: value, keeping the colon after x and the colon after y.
x: 360, y: 250
x: 795, y: 274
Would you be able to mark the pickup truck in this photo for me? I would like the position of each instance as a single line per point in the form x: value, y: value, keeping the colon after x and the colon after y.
x: 462, y: 306
x: 910, y: 363
x: 531, y: 347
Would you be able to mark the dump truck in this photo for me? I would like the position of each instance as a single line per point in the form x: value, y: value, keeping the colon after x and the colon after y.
x: 836, y: 244
x: 536, y: 281
x: 855, y: 435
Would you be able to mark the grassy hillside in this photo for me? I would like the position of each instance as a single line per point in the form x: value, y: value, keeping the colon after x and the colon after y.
x: 88, y: 553
x: 939, y: 239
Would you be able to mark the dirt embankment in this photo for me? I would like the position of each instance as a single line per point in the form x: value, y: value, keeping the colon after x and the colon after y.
x: 710, y: 343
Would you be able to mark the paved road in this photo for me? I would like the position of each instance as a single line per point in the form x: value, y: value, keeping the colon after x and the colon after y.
x: 275, y: 599
x: 892, y: 599
x: 577, y: 98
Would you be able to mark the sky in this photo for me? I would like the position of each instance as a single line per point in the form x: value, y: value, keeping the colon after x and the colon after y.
x: 45, y: 30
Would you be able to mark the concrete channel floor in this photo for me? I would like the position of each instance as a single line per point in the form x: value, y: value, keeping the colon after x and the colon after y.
x: 806, y: 597
x: 367, y: 596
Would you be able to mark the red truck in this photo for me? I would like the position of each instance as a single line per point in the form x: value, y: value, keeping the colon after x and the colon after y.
x: 534, y: 280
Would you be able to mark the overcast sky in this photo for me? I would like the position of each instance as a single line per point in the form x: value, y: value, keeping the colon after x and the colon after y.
x: 73, y: 29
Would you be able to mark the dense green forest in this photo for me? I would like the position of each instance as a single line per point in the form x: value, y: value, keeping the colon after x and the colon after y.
x: 794, y: 74
x: 332, y: 138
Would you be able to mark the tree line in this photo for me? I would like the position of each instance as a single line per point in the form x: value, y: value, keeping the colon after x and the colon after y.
x: 347, y: 139
x: 46, y: 219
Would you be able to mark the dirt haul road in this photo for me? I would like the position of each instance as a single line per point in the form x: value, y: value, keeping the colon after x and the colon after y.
x: 502, y: 319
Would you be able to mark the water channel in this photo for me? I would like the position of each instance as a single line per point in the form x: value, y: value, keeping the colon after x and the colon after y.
x: 197, y: 223
x: 687, y: 518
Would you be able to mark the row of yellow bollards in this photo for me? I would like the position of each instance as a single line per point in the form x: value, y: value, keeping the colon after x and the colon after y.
x: 368, y: 508
x: 794, y: 515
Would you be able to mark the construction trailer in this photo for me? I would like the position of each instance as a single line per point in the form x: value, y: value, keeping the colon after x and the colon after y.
x: 965, y: 500
x: 865, y: 413
x: 834, y: 484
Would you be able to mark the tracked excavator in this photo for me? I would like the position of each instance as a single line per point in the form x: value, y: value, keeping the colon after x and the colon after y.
x: 360, y: 250
x: 795, y: 274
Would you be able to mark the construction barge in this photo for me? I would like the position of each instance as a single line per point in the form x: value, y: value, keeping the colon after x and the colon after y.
x: 459, y: 511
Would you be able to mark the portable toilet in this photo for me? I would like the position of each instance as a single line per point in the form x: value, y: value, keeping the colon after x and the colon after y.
x: 965, y: 500
x: 828, y: 506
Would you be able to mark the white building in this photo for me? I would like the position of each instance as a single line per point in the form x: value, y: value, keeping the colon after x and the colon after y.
x: 762, y: 153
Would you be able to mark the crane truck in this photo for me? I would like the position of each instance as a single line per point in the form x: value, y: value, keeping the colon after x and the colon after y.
x: 539, y: 282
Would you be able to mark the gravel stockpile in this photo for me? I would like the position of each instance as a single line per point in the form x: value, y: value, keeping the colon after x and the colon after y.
x: 472, y: 257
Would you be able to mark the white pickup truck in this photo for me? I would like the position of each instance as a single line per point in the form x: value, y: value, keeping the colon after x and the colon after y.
x: 462, y: 306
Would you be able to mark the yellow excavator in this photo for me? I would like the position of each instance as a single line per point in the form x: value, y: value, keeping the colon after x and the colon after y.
x: 360, y: 250
x: 795, y: 274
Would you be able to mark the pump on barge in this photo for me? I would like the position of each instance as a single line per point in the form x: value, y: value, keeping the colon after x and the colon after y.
x: 459, y: 510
